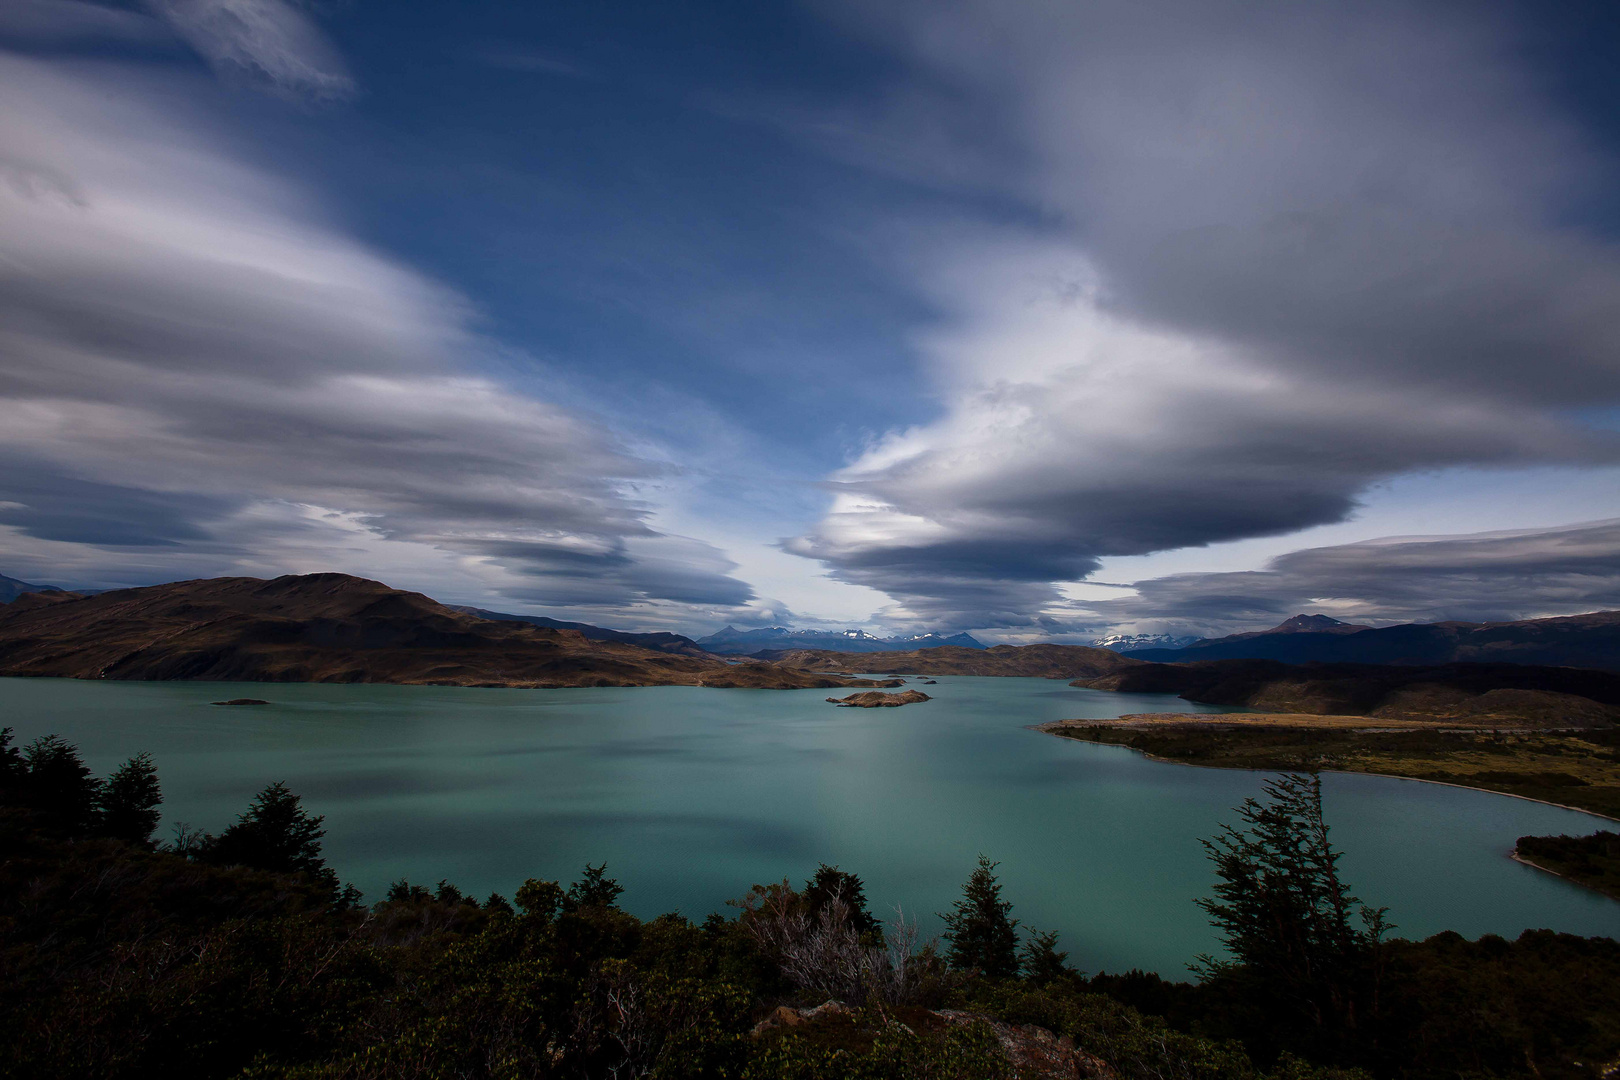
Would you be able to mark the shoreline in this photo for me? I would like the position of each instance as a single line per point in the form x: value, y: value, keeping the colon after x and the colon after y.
x: 1053, y: 728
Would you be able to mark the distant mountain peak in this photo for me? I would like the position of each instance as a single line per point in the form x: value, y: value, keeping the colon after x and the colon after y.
x: 11, y: 588
x: 731, y: 641
x: 1127, y: 643
x: 1314, y: 624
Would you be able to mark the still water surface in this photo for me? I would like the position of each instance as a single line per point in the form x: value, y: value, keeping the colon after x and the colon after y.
x: 690, y: 795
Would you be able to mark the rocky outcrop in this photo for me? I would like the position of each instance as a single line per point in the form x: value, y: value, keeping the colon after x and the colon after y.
x: 876, y: 699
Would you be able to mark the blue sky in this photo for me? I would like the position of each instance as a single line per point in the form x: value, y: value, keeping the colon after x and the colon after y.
x: 1038, y: 320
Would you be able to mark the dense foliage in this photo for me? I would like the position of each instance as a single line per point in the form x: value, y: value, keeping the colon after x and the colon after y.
x: 1593, y: 861
x: 237, y: 956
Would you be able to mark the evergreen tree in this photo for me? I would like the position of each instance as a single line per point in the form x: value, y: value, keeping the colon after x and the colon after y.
x: 275, y: 833
x: 12, y: 768
x: 130, y: 800
x: 60, y: 784
x: 830, y: 882
x: 1283, y: 911
x: 593, y: 889
x: 1040, y: 960
x: 983, y: 935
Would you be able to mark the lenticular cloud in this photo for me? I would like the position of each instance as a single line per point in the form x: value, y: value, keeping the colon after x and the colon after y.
x: 228, y: 383
x: 1280, y: 257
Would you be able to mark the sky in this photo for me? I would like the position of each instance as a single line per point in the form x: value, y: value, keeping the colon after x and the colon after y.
x: 1043, y: 320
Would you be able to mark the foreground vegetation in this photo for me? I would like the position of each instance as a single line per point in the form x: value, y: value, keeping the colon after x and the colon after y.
x: 239, y: 955
x: 1571, y: 768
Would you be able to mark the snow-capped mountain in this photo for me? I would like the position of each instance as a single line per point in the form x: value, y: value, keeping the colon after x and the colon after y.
x: 1128, y: 643
x: 734, y: 642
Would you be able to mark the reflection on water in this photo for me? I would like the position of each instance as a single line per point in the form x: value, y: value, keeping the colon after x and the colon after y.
x: 691, y: 795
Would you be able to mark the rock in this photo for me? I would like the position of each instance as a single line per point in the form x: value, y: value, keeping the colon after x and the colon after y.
x: 786, y: 1016
x: 876, y: 699
x: 1037, y: 1052
x: 241, y: 701
x: 1034, y: 1052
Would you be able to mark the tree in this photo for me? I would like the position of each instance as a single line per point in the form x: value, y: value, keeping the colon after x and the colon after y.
x: 1283, y: 911
x: 275, y: 833
x: 593, y: 889
x: 983, y: 935
x: 831, y: 883
x: 130, y: 800
x: 1041, y: 960
x: 12, y: 767
x: 60, y: 784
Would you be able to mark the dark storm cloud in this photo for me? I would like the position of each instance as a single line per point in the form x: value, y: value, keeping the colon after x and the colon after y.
x: 191, y: 358
x: 1290, y: 251
x: 41, y: 500
x: 1477, y: 578
x: 68, y: 22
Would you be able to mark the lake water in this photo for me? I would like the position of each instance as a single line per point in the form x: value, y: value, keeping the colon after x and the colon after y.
x: 690, y: 795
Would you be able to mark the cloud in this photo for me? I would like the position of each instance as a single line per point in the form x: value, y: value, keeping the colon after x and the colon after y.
x: 197, y: 374
x: 72, y: 22
x: 1480, y: 577
x: 1270, y: 256
x: 269, y: 42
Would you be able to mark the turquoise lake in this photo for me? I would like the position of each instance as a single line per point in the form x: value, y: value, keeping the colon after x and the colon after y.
x: 691, y: 795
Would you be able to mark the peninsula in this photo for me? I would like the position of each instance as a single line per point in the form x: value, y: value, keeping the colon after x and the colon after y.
x: 1574, y: 767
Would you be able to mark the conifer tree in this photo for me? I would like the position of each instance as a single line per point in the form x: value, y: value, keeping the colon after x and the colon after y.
x: 130, y: 800
x: 60, y: 784
x: 593, y: 889
x: 830, y: 882
x: 982, y: 933
x: 1040, y: 959
x: 1283, y: 911
x: 275, y: 833
x: 12, y: 767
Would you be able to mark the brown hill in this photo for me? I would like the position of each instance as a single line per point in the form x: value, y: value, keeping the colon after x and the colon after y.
x: 333, y: 628
x: 1035, y: 661
x: 1510, y: 694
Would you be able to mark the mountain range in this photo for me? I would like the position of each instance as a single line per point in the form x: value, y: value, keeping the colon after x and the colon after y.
x: 1584, y: 641
x: 663, y: 641
x: 334, y: 628
x: 11, y: 588
x: 1133, y: 643
x: 1042, y: 661
x: 778, y: 639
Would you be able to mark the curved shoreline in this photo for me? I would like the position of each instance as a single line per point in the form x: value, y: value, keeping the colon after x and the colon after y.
x: 1049, y: 729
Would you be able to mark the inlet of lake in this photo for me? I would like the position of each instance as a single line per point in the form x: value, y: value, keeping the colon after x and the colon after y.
x: 691, y: 795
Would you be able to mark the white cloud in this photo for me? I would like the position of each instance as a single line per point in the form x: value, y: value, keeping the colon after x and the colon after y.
x: 197, y: 373
x: 1282, y: 255
x: 267, y: 41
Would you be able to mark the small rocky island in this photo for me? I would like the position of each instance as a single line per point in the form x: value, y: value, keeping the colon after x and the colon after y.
x: 877, y: 699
